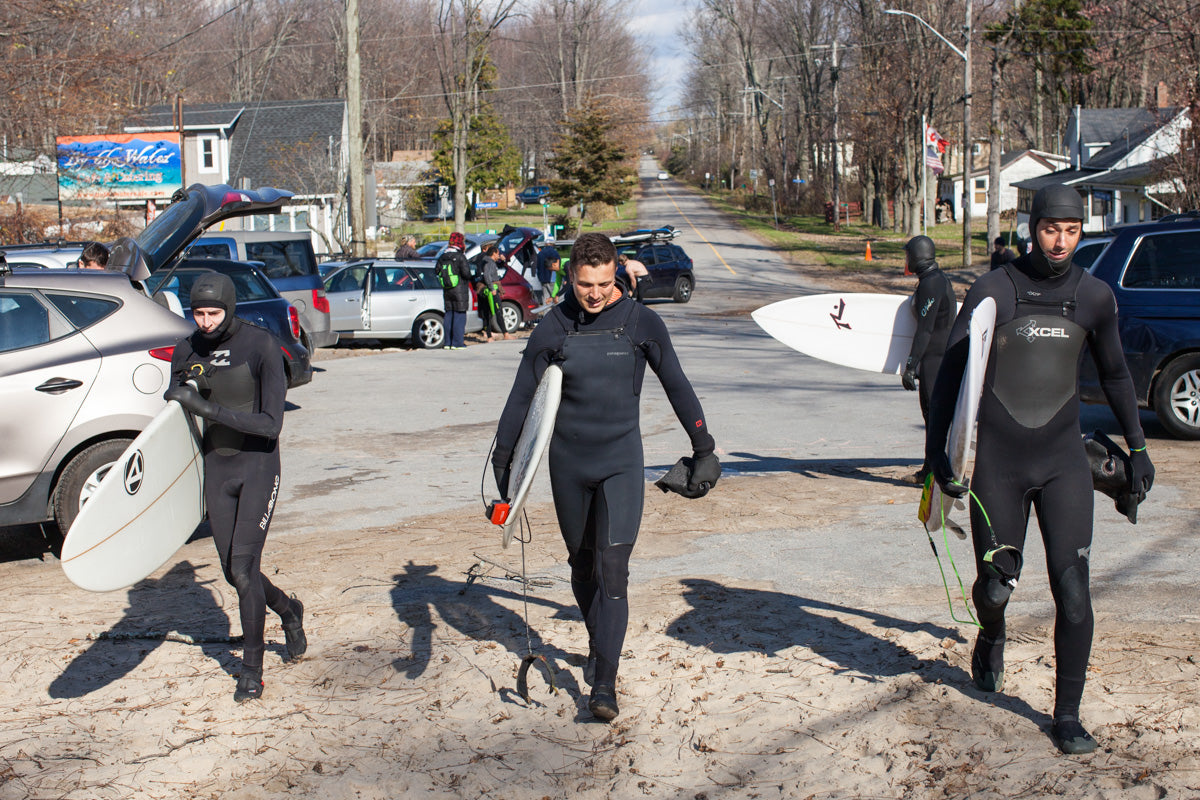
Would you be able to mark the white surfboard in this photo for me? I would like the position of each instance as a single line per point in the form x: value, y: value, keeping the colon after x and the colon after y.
x: 937, y: 506
x: 144, y: 509
x: 872, y: 332
x: 531, y: 444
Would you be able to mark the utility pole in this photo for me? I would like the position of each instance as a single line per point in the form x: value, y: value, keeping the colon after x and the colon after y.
x: 358, y: 200
x: 968, y: 159
x: 837, y: 190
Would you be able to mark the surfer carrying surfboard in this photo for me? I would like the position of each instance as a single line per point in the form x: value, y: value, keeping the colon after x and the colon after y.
x: 1028, y: 447
x: 241, y: 391
x: 933, y: 307
x: 602, y: 340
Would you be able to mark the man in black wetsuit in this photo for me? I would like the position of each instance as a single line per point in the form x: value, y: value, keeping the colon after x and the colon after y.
x: 933, y: 306
x: 1029, y: 450
x: 603, y: 341
x: 239, y: 371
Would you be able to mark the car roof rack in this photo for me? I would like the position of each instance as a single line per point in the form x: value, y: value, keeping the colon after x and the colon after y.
x: 664, y: 234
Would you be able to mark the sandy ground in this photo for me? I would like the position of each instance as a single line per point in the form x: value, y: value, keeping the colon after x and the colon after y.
x: 729, y: 688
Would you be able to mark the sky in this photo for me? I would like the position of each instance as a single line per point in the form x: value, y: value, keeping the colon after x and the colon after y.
x: 657, y: 23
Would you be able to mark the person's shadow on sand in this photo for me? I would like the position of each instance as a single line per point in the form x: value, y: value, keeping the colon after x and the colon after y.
x: 192, y: 611
x: 732, y: 620
x: 473, y: 612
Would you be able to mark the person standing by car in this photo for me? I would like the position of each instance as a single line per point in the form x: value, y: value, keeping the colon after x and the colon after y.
x: 488, y: 289
x: 933, y: 306
x: 603, y: 341
x: 1028, y: 449
x: 242, y: 386
x: 548, y: 271
x: 455, y: 276
x: 94, y: 256
x: 407, y: 248
x: 634, y: 270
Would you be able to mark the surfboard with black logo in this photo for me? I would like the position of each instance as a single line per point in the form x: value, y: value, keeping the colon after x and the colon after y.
x: 144, y: 509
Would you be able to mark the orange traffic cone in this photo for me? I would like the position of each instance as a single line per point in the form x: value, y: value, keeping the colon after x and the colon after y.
x: 868, y: 251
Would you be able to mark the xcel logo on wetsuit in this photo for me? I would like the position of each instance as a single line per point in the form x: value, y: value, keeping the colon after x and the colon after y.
x: 1032, y: 332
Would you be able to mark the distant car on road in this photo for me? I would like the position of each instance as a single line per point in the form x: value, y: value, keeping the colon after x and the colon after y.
x: 258, y: 302
x: 532, y: 195
x: 1154, y: 272
x: 662, y: 175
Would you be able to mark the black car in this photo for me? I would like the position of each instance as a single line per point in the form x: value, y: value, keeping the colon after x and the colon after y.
x: 1154, y: 272
x: 258, y: 302
x: 670, y: 268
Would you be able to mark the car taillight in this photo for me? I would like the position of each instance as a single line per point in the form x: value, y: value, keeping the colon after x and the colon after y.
x: 294, y: 319
x: 320, y: 301
x: 163, y: 353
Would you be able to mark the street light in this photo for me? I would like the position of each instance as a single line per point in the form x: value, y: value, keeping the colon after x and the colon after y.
x: 968, y: 164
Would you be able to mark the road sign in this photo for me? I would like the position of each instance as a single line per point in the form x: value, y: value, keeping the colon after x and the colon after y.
x: 493, y: 204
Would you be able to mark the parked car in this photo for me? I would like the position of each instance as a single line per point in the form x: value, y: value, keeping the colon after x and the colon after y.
x: 516, y: 309
x: 258, y: 302
x: 87, y: 355
x: 289, y: 263
x: 532, y: 195
x: 385, y: 299
x: 1089, y: 250
x: 84, y: 360
x: 474, y: 242
x: 670, y: 269
x: 61, y: 255
x: 1154, y: 272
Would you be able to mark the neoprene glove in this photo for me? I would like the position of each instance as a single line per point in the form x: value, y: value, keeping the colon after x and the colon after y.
x: 1143, y: 471
x: 945, y: 477
x: 909, y: 378
x: 190, y: 399
x: 705, y: 472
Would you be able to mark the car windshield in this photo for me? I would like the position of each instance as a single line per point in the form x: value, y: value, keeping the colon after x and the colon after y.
x: 171, y: 228
x: 432, y: 249
x: 248, y: 286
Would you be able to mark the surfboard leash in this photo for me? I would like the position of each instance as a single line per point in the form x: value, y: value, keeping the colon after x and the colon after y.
x: 954, y: 567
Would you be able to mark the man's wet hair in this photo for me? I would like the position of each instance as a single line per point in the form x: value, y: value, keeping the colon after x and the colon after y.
x: 94, y: 251
x: 593, y: 250
x: 491, y: 249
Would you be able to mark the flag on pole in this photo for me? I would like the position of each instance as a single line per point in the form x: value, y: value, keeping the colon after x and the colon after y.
x: 935, y: 145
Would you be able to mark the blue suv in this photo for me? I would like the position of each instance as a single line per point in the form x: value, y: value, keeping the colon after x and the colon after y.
x: 1154, y: 271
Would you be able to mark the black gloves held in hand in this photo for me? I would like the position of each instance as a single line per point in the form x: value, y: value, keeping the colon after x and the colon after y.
x: 909, y: 378
x: 190, y: 399
x: 691, y: 477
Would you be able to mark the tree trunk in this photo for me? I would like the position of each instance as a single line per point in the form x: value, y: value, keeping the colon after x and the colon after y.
x: 994, y: 144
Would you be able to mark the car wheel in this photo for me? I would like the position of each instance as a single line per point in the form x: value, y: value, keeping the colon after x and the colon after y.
x: 429, y: 331
x: 1177, y: 397
x: 510, y: 316
x: 81, y: 478
x: 683, y: 289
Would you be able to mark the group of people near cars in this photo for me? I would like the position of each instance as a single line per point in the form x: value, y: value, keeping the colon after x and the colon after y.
x: 1029, y: 449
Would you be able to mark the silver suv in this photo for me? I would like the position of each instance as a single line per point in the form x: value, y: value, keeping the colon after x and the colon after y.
x: 84, y: 360
x: 43, y: 256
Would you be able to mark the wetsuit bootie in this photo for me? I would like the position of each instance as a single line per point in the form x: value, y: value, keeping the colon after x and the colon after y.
x: 603, y: 702
x: 293, y: 631
x: 249, y: 686
x: 1071, y: 737
x: 987, y: 663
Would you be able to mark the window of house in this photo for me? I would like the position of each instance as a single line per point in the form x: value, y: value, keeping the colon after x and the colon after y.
x: 208, y: 153
x: 980, y: 190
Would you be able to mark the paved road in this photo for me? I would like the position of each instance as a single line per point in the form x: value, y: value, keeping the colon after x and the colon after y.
x: 380, y: 439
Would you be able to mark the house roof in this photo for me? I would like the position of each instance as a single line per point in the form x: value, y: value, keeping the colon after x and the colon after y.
x: 1151, y: 173
x: 281, y: 143
x: 1098, y: 125
x: 1067, y: 176
x: 1049, y: 160
x: 403, y: 173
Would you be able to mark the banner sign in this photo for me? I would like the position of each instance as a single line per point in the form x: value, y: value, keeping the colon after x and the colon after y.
x: 120, y: 166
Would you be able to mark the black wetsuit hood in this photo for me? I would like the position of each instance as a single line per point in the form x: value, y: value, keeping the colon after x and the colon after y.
x: 1052, y: 202
x: 215, y: 290
x: 920, y: 255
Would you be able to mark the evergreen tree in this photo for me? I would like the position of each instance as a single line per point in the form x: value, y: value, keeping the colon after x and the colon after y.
x: 492, y: 160
x: 590, y: 162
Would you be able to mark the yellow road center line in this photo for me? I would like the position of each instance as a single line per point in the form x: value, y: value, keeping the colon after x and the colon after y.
x: 697, y: 230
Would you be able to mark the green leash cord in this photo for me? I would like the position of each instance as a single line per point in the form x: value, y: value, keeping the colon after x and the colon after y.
x: 946, y: 584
